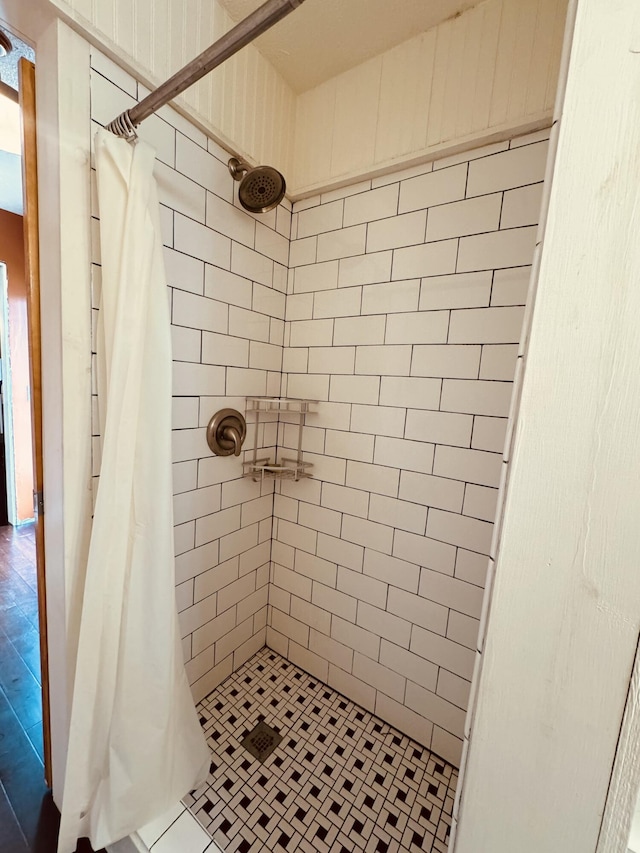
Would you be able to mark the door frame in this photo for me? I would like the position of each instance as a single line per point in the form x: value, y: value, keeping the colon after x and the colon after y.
x: 7, y: 412
x: 27, y: 90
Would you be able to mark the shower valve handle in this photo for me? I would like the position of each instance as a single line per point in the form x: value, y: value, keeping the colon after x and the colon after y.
x: 226, y: 432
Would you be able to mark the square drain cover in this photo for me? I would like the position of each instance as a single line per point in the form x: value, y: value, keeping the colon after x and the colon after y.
x: 261, y: 741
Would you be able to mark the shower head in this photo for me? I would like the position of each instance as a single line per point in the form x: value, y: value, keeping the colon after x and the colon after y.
x: 261, y: 188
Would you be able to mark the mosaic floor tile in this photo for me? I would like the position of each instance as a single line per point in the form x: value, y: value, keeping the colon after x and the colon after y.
x: 341, y: 780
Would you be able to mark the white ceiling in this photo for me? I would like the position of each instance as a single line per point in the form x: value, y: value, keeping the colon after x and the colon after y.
x: 323, y: 38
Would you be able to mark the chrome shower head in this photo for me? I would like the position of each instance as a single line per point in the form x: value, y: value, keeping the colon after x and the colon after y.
x: 261, y: 188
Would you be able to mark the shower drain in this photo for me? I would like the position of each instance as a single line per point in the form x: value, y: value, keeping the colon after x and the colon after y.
x: 261, y: 741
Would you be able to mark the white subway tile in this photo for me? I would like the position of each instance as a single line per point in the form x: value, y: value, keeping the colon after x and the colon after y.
x: 446, y: 361
x: 316, y: 618
x: 383, y: 360
x: 433, y: 188
x: 365, y: 269
x: 471, y: 567
x: 463, y: 629
x: 509, y: 169
x: 433, y: 259
x: 195, y: 504
x: 431, y: 553
x: 480, y: 502
x: 510, y: 248
x: 339, y: 551
x: 327, y: 468
x: 489, y: 434
x: 383, y: 679
x: 330, y: 650
x: 257, y: 510
x: 238, y: 491
x: 292, y: 582
x: 242, y: 381
x: 378, y: 420
x: 405, y: 230
x: 185, y: 344
x: 184, y: 412
x: 511, y: 286
x: 477, y: 397
x: 347, y: 445
x: 316, y: 220
x: 355, y: 638
x: 390, y: 297
x: 464, y: 156
x: 320, y: 519
x: 252, y: 265
x: 266, y: 300
x: 223, y: 349
x: 454, y: 689
x: 343, y: 243
x: 204, y: 168
x: 397, y: 513
x: 343, y: 499
x: 229, y: 220
x: 499, y: 362
x: 337, y: 303
x: 316, y: 277
x: 411, y: 666
x: 415, y: 725
x: 472, y: 466
x: 265, y: 356
x: 442, y: 652
x: 219, y: 524
x: 354, y: 389
x: 255, y: 558
x: 384, y: 624
x: 189, y: 444
x: 431, y: 491
x: 402, y: 175
x: 435, y: 708
x: 185, y: 476
x: 368, y: 206
x: 198, y: 312
x: 418, y: 393
x: 461, y: 290
x: 451, y: 592
x: 351, y: 687
x: 461, y: 218
x: 344, y: 192
x: 239, y: 541
x: 297, y: 536
x: 418, y: 610
x: 308, y: 387
x: 316, y: 568
x: 372, y: 534
x: 299, y: 306
x: 332, y: 416
x: 522, y: 206
x: 303, y: 252
x: 311, y: 333
x: 362, y: 587
x: 486, y: 326
x: 391, y: 570
x: 310, y: 662
x: 291, y: 628
x: 201, y: 242
x: 373, y: 478
x: 439, y: 427
x: 235, y: 592
x: 271, y: 244
x: 197, y: 380
x: 423, y: 327
x: 184, y: 272
x: 197, y: 561
x: 359, y: 330
x: 227, y: 287
x: 179, y: 193
x: 334, y: 601
x: 470, y: 533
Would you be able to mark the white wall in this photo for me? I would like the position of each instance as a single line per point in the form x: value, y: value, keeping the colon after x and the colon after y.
x: 564, y: 622
x: 405, y: 304
x: 227, y: 277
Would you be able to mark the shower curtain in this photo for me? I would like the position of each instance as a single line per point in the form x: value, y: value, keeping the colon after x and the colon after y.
x: 135, y: 746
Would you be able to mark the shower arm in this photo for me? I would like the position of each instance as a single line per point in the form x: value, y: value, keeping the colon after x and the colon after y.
x: 242, y: 34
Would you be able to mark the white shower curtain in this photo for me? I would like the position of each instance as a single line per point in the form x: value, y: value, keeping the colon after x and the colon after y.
x: 135, y: 745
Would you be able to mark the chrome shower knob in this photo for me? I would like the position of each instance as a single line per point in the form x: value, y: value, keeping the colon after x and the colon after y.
x: 226, y: 432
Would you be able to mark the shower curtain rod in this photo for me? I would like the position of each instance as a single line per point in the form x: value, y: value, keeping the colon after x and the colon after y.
x: 242, y: 34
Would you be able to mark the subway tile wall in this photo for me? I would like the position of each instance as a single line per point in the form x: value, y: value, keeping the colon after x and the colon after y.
x: 227, y: 279
x: 397, y: 304
x: 405, y: 303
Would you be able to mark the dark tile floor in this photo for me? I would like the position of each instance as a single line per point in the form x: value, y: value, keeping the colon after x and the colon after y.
x: 28, y: 817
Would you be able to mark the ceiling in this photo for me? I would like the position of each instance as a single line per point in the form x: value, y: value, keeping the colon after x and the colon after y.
x: 323, y: 38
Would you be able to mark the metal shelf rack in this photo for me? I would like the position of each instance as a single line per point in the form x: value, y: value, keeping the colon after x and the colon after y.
x: 262, y: 468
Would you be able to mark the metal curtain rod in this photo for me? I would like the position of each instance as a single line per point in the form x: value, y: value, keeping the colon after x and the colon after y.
x: 242, y: 34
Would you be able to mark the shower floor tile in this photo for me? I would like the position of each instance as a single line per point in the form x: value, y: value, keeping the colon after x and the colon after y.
x: 341, y: 780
